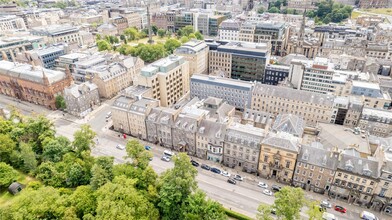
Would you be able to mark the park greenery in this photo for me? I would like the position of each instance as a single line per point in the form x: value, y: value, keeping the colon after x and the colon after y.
x: 71, y: 184
x: 60, y: 102
x: 329, y: 11
x: 147, y: 52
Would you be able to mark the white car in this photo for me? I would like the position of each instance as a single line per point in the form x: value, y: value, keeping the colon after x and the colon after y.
x: 325, y: 204
x: 165, y: 158
x: 225, y: 173
x: 238, y: 177
x: 267, y: 192
x: 263, y: 185
x: 120, y: 147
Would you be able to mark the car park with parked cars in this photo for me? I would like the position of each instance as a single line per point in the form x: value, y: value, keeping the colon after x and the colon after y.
x: 231, y: 181
x: 238, y: 177
x: 194, y: 163
x: 262, y: 185
x: 216, y: 170
x: 165, y: 158
x: 225, y: 173
x: 267, y: 192
x: 340, y: 209
x: 275, y: 188
x: 205, y: 167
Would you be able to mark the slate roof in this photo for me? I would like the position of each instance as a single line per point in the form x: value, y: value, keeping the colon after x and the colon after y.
x: 284, y: 142
x: 289, y: 123
x: 351, y: 161
x: 212, y: 129
x: 316, y: 154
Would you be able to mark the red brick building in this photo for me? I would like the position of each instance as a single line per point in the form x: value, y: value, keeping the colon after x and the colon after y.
x: 33, y: 84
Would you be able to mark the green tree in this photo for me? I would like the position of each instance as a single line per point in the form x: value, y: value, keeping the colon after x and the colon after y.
x: 84, y: 201
x: 277, y: 4
x: 314, y: 211
x: 186, y: 31
x: 197, y: 206
x: 176, y: 185
x: 60, y: 102
x: 55, y: 149
x: 132, y: 33
x: 7, y: 175
x: 154, y: 29
x: 83, y: 139
x: 264, y: 212
x: 192, y: 36
x: 273, y: 10
x: 47, y: 173
x: 161, y: 33
x: 98, y: 37
x: 102, y: 172
x: 199, y: 36
x: 103, y: 45
x: 260, y: 10
x: 7, y: 146
x: 120, y: 200
x: 122, y: 37
x: 28, y: 157
x: 140, y: 157
x: 43, y: 203
x: 36, y: 131
x: 172, y: 44
x: 288, y: 202
x: 184, y: 39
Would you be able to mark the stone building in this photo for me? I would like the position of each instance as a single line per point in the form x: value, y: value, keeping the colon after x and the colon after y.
x: 278, y: 155
x: 210, y: 140
x: 312, y: 107
x: 242, y: 147
x: 356, y: 177
x: 80, y: 99
x: 129, y: 115
x: 59, y: 34
x: 316, y: 167
x: 32, y: 84
x: 196, y: 53
x: 376, y: 121
x: 159, y: 124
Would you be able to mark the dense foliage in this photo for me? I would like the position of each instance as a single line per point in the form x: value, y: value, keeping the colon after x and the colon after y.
x: 74, y: 185
x: 330, y: 11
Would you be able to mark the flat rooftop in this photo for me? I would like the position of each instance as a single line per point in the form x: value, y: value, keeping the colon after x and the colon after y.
x: 221, y: 80
x: 332, y: 135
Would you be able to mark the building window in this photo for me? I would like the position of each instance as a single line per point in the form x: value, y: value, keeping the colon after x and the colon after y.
x: 265, y: 158
x: 339, y: 174
x: 321, y: 170
x: 288, y: 164
x: 286, y: 173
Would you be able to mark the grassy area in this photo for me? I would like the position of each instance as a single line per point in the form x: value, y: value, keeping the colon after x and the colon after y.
x: 156, y: 39
x: 6, y: 197
x: 384, y: 11
x: 355, y: 14
x: 235, y: 215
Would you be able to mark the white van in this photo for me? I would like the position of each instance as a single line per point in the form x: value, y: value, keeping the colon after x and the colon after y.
x: 168, y: 153
x: 368, y: 216
x: 329, y: 216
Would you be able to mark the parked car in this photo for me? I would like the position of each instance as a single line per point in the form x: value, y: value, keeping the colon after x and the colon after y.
x: 340, y: 209
x: 275, y: 188
x: 165, y: 158
x: 225, y: 173
x: 206, y: 167
x: 232, y: 181
x: 262, y: 185
x: 216, y: 170
x: 120, y: 147
x: 194, y: 163
x: 168, y: 153
x: 109, y: 114
x: 238, y: 177
x: 325, y: 204
x: 368, y: 216
x: 267, y: 192
x: 147, y: 147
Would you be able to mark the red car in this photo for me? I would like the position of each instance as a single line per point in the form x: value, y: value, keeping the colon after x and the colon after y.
x: 340, y: 209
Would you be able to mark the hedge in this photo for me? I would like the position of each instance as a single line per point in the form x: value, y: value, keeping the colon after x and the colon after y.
x: 236, y: 215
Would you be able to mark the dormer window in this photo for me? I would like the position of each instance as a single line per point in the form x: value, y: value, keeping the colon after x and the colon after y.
x: 366, y: 170
x: 324, y: 160
x: 349, y: 166
x: 305, y: 156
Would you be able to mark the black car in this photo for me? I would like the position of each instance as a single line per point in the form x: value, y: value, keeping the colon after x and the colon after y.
x: 275, y: 188
x: 194, y: 163
x: 216, y: 170
x: 206, y: 167
x: 231, y: 181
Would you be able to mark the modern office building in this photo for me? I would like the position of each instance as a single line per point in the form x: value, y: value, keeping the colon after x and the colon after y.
x: 10, y: 46
x: 168, y: 78
x: 196, y: 53
x: 45, y: 57
x: 240, y: 60
x: 11, y: 23
x: 275, y: 74
x: 229, y: 30
x: 235, y: 92
x: 59, y: 34
x: 266, y: 31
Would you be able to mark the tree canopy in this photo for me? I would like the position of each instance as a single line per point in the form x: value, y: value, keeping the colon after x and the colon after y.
x: 329, y: 11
